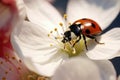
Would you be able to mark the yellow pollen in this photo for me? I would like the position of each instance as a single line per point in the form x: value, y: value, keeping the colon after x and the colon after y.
x: 6, y: 72
x: 19, y: 68
x: 1, y: 62
x: 74, y: 51
x: 20, y: 61
x: 4, y: 78
x: 13, y: 58
x: 61, y: 24
x: 51, y: 45
x: 65, y: 16
x: 51, y: 31
x: 69, y: 23
x: 48, y: 35
x: 55, y: 29
x: 41, y: 78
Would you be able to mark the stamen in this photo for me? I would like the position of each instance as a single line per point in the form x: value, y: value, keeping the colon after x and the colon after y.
x: 74, y: 51
x: 55, y: 29
x: 13, y: 58
x: 65, y: 19
x: 19, y: 68
x: 3, y: 78
x: 1, y: 62
x: 61, y: 24
x: 51, y: 32
x: 20, y: 61
x: 51, y: 45
x: 48, y: 35
x: 65, y: 47
x: 65, y: 16
x: 57, y: 32
x: 6, y: 72
x: 70, y: 23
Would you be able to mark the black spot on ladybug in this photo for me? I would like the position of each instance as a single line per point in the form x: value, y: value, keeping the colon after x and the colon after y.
x: 87, y: 31
x: 93, y: 25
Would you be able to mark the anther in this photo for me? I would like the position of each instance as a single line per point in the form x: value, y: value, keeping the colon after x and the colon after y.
x: 19, y: 68
x: 4, y: 78
x: 55, y: 29
x: 6, y: 72
x: 1, y: 62
x: 65, y: 16
x: 70, y: 23
x: 13, y: 58
x: 61, y: 24
x: 7, y: 56
x: 51, y: 44
x: 41, y: 78
x: 20, y: 61
x: 51, y: 31
x: 57, y: 32
x: 74, y: 51
x: 48, y: 35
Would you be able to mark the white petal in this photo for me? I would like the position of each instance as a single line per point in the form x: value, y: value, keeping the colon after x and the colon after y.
x: 106, y: 69
x: 49, y: 67
x: 109, y: 49
x: 102, y: 11
x: 29, y: 38
x: 21, y: 8
x: 33, y: 45
x: 42, y: 12
x: 84, y: 69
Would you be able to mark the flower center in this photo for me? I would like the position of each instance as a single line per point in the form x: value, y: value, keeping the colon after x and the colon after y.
x: 67, y: 47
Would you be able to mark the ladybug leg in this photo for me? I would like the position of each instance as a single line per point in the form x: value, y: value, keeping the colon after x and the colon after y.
x: 92, y: 37
x: 79, y: 37
x: 84, y: 38
x: 98, y: 41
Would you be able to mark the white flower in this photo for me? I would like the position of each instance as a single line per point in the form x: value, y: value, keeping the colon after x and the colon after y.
x: 85, y: 69
x: 37, y: 41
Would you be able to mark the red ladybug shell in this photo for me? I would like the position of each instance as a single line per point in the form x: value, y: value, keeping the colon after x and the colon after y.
x: 89, y: 26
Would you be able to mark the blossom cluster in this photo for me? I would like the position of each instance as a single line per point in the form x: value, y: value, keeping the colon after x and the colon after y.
x: 31, y: 47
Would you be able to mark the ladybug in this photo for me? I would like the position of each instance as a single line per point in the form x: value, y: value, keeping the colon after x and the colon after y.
x: 83, y: 27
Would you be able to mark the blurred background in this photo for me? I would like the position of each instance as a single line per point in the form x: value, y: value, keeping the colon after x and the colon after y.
x: 61, y: 6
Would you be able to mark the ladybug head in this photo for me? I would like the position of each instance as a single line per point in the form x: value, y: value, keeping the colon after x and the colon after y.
x: 66, y: 37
